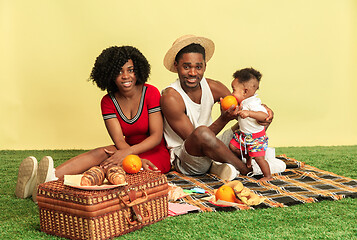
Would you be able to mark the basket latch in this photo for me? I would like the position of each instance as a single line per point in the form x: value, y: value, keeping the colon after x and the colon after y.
x: 134, y: 202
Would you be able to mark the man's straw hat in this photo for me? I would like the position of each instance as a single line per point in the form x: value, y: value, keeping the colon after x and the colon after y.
x: 184, y: 41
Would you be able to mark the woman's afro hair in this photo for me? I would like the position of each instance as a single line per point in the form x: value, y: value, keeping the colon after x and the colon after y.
x: 110, y: 62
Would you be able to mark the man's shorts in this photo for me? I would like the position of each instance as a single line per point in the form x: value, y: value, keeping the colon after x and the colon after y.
x: 255, y: 143
x: 192, y: 165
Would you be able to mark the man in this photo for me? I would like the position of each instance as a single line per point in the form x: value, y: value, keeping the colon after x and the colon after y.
x: 187, y: 103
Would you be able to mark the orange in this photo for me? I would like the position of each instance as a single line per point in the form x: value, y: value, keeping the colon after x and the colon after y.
x: 228, y: 101
x: 132, y: 164
x: 225, y: 193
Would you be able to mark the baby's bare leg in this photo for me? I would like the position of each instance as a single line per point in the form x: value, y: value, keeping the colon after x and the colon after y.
x: 249, y: 161
x: 264, y: 166
x: 237, y: 152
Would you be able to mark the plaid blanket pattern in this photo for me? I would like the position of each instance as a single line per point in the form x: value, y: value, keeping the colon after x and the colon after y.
x: 298, y: 184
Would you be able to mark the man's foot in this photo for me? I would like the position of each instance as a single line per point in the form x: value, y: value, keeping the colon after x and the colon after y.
x: 45, y: 173
x: 26, y: 178
x: 225, y: 171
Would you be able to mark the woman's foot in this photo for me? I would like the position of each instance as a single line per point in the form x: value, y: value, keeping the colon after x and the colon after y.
x: 26, y: 178
x: 45, y: 173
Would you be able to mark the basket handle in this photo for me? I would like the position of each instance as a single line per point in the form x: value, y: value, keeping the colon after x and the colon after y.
x: 136, y: 201
x: 139, y: 217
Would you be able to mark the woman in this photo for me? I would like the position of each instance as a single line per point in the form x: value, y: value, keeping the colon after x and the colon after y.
x: 132, y: 115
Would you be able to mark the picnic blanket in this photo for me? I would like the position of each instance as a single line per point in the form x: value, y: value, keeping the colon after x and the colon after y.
x: 299, y: 183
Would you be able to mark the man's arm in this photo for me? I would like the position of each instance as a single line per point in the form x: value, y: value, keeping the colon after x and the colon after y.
x: 267, y: 121
x: 173, y: 108
x: 219, y: 91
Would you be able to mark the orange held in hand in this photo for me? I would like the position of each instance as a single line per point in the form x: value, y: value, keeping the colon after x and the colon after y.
x: 228, y: 101
x: 132, y: 164
x: 225, y: 193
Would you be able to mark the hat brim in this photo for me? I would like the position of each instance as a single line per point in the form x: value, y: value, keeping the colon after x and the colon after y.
x: 170, y: 56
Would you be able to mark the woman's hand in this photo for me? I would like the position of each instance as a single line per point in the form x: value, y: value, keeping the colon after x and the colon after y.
x: 147, y: 164
x: 115, y: 157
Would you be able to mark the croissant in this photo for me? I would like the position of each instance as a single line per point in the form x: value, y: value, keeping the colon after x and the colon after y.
x: 116, y: 175
x: 93, y: 176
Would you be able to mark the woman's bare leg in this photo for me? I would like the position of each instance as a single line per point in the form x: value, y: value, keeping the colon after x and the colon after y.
x: 83, y: 162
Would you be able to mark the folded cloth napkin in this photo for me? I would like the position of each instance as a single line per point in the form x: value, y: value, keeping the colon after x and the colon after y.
x: 181, y: 208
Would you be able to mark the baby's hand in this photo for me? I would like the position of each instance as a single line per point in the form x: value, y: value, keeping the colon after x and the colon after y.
x: 243, y: 113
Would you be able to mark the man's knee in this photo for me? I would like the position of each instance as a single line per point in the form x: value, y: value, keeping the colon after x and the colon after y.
x: 205, y: 137
x: 203, y: 134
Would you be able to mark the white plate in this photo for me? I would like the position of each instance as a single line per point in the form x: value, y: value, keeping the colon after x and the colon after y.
x: 74, y: 181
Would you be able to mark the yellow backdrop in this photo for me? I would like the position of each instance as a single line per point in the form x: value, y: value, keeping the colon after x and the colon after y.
x: 306, y: 50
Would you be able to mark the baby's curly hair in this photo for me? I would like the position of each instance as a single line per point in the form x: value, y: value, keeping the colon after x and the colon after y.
x: 246, y: 74
x: 110, y: 62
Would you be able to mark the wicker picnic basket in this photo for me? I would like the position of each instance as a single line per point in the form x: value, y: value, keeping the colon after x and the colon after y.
x: 101, y: 214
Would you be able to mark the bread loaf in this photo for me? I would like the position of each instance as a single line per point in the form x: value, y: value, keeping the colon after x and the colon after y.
x: 93, y: 176
x: 116, y: 175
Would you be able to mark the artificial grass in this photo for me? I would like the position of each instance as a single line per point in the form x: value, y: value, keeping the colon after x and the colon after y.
x: 324, y: 220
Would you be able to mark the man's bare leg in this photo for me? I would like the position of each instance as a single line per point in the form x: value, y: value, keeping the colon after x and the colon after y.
x: 203, y: 142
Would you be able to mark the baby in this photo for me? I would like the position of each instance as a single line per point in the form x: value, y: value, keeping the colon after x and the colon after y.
x: 250, y: 141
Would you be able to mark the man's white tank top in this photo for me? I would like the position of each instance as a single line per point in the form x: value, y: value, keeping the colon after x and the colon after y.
x: 199, y: 114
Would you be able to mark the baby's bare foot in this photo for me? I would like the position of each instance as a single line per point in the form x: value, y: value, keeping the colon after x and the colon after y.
x: 268, y: 178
